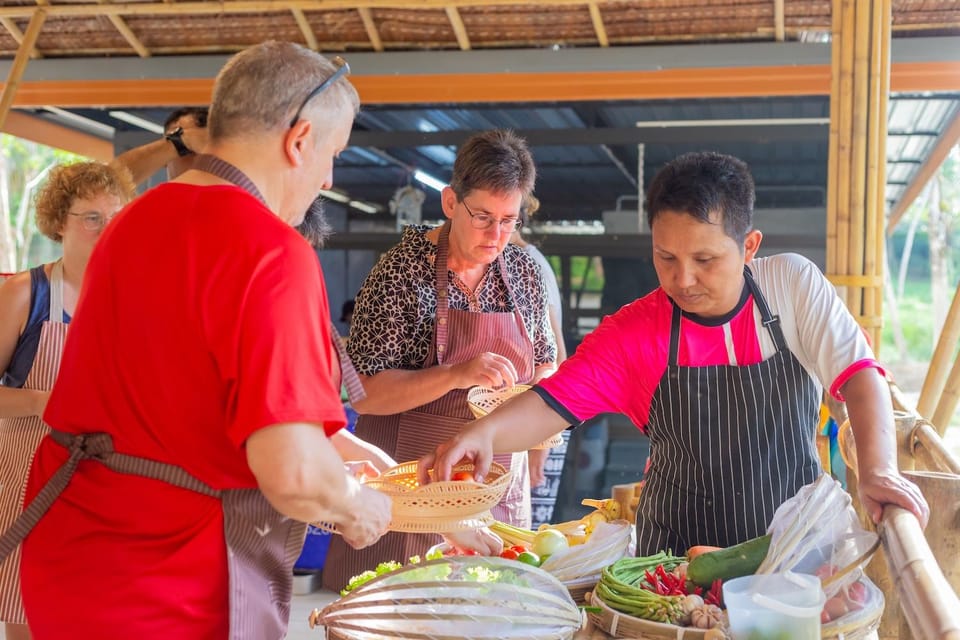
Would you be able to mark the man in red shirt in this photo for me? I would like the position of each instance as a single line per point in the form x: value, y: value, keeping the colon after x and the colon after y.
x: 201, y: 353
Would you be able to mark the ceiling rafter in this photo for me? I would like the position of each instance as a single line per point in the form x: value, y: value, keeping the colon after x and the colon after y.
x: 19, y: 65
x: 17, y: 35
x: 597, y: 20
x: 778, y: 20
x: 459, y: 29
x: 366, y: 16
x: 121, y: 25
x: 309, y: 37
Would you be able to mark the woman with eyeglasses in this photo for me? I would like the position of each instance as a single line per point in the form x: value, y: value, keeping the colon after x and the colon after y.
x: 447, y: 309
x: 74, y: 206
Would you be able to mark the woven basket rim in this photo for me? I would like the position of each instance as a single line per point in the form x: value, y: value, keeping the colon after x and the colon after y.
x: 478, y: 392
x: 617, y: 624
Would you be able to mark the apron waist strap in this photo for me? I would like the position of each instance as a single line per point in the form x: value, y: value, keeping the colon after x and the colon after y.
x: 99, y: 447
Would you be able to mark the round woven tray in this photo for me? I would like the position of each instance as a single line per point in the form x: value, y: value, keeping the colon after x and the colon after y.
x: 440, y: 506
x: 483, y: 400
x: 621, y: 625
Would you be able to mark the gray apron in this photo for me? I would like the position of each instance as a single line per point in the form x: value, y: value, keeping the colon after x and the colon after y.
x: 262, y: 544
x: 728, y: 445
x: 459, y: 336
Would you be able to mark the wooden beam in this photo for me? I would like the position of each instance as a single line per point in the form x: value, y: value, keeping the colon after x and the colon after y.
x: 597, y: 19
x: 739, y: 82
x: 778, y: 20
x: 58, y: 136
x: 949, y: 139
x: 371, y: 28
x: 459, y: 29
x: 121, y: 25
x: 309, y: 37
x: 20, y: 63
x: 17, y: 35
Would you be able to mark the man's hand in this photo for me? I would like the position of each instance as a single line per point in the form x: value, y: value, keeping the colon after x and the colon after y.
x: 882, y: 488
x: 369, y: 520
x: 483, y: 541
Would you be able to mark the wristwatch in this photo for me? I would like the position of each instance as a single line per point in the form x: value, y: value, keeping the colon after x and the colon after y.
x: 175, y: 138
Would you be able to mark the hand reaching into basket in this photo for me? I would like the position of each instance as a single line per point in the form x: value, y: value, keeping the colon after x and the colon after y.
x: 483, y: 541
x: 369, y: 520
x: 486, y: 370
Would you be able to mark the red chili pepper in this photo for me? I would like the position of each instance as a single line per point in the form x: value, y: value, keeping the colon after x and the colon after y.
x: 715, y: 594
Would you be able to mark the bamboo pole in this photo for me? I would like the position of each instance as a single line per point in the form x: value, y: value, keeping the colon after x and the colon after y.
x: 876, y: 134
x: 20, y: 63
x: 859, y: 149
x: 937, y: 373
x: 371, y: 28
x: 459, y: 29
x: 845, y: 116
x: 948, y: 399
x: 928, y: 448
x: 597, y: 19
x: 927, y: 601
x: 833, y: 266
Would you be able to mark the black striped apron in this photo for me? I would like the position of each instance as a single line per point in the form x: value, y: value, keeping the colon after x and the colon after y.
x: 459, y: 336
x: 19, y: 439
x: 262, y: 544
x: 728, y: 445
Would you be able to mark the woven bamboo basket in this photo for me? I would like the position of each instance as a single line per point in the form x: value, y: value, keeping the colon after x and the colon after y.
x: 439, y: 507
x: 445, y: 599
x: 621, y: 625
x: 483, y: 400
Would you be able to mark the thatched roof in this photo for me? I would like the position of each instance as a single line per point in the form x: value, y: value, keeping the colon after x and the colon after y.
x: 153, y: 27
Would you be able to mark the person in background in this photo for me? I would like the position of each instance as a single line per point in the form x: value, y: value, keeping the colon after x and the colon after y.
x: 543, y: 510
x: 722, y: 367
x: 185, y: 135
x: 346, y: 315
x: 447, y: 309
x: 73, y: 207
x: 211, y: 431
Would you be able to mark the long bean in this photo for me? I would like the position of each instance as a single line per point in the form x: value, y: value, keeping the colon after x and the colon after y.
x: 617, y: 588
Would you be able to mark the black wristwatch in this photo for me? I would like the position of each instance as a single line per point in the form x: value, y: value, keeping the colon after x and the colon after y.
x: 175, y: 138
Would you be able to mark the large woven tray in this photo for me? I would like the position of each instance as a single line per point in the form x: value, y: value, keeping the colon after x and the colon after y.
x: 621, y: 625
x: 483, y: 400
x: 439, y: 507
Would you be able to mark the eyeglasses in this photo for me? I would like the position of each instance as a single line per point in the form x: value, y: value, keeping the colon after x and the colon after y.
x: 92, y: 221
x: 343, y: 69
x: 485, y: 220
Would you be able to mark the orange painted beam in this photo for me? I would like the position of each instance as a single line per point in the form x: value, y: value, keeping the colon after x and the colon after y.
x: 54, y: 135
x: 733, y: 82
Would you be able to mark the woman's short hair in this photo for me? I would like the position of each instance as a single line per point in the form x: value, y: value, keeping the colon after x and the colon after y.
x: 260, y: 89
x: 702, y: 183
x: 68, y: 183
x: 497, y: 161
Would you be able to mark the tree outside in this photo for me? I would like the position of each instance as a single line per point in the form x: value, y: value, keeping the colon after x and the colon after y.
x: 23, y: 167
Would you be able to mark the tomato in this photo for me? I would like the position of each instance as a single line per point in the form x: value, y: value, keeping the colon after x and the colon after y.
x: 469, y: 552
x: 529, y: 558
x: 510, y: 554
x: 519, y: 548
x: 462, y: 475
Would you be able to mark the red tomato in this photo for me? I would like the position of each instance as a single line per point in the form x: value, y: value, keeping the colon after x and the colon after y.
x: 470, y: 552
x: 510, y: 554
x: 519, y: 548
x: 462, y: 475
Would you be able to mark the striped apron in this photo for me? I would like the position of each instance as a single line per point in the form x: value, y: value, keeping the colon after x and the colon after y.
x: 459, y: 336
x: 728, y: 445
x: 261, y: 543
x: 19, y: 439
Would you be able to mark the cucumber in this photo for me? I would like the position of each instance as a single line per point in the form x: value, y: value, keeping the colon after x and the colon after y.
x: 739, y: 560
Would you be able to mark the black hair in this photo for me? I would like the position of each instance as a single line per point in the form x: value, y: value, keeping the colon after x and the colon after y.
x: 701, y: 183
x: 199, y: 115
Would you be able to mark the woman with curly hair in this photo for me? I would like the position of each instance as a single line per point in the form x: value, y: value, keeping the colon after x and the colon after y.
x: 74, y: 206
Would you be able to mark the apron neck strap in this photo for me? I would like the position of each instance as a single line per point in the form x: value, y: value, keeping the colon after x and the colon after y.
x: 223, y: 169
x: 56, y: 291
x: 443, y: 283
x: 348, y: 373
x: 770, y: 321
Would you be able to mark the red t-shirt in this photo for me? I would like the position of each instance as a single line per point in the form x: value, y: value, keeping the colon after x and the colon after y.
x: 203, y: 318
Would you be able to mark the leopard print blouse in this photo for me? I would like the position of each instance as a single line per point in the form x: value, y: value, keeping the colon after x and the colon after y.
x: 394, y: 315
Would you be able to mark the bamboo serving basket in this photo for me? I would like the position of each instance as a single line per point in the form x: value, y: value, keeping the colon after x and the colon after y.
x: 441, y: 506
x: 442, y: 599
x: 483, y: 400
x: 621, y: 625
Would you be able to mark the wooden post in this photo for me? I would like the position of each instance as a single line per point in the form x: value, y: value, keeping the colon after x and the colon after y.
x: 937, y: 373
x: 948, y: 399
x: 20, y: 63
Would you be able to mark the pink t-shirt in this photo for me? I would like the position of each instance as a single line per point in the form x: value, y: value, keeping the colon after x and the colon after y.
x: 619, y: 365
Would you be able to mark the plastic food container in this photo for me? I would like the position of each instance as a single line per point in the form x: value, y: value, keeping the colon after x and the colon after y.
x: 776, y: 606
